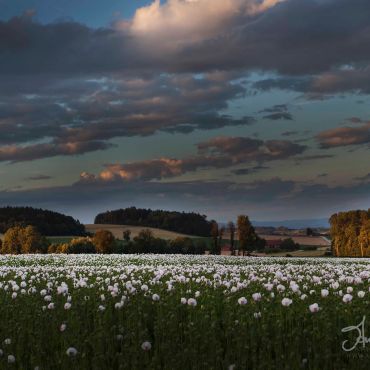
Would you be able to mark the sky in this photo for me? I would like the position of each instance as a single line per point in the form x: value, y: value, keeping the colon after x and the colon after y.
x: 221, y: 107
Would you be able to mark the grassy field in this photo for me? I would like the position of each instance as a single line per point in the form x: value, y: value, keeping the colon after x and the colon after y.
x: 181, y: 312
x: 303, y: 240
x: 319, y: 252
x: 118, y: 230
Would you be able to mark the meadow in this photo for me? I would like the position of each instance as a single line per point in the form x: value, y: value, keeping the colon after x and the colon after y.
x: 184, y: 312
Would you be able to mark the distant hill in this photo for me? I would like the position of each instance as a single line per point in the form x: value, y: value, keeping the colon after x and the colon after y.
x: 179, y: 222
x: 295, y: 224
x: 47, y: 222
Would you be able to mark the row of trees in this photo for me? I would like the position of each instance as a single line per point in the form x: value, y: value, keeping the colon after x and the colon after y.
x: 248, y: 240
x: 19, y: 240
x: 350, y: 233
x: 181, y: 222
x: 46, y: 222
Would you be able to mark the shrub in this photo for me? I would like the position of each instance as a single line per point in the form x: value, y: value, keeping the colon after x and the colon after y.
x: 182, y: 245
x: 289, y: 245
x: 77, y: 246
x: 272, y: 250
x: 308, y: 247
x: 103, y: 241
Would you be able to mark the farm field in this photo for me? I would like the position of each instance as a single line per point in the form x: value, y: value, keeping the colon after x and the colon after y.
x: 303, y: 240
x: 117, y: 231
x: 319, y: 252
x: 184, y: 312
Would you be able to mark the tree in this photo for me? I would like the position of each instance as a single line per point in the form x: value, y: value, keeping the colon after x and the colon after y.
x: 289, y: 245
x: 82, y: 245
x: 246, y: 233
x: 364, y: 238
x: 215, y: 235
x: 127, y: 235
x: 181, y: 222
x: 27, y: 239
x: 143, y: 241
x: 12, y: 243
x: 183, y: 245
x: 103, y: 241
x: 32, y: 241
x: 231, y: 229
x: 349, y: 232
x: 309, y: 232
x: 47, y: 222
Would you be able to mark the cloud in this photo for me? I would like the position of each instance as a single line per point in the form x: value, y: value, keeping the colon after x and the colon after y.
x: 279, y: 116
x: 15, y: 153
x: 219, y: 152
x: 38, y: 177
x: 365, y: 178
x: 277, y: 112
x: 60, y: 89
x: 178, y: 23
x: 85, y: 112
x: 344, y: 136
x: 219, y: 199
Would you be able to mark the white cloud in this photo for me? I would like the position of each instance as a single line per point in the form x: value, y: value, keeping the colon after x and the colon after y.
x: 179, y: 22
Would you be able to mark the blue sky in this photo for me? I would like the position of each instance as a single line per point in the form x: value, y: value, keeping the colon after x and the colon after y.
x: 222, y: 107
x: 94, y: 13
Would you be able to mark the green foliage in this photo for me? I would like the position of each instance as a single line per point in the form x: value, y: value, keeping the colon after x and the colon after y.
x: 181, y: 222
x: 350, y: 233
x: 272, y: 250
x: 47, y: 222
x: 289, y: 245
x: 308, y: 247
x: 127, y: 235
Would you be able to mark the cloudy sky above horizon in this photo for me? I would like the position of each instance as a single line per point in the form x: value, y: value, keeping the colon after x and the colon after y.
x: 218, y: 106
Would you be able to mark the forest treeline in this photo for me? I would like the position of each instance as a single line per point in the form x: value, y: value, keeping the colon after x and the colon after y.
x: 180, y: 222
x: 350, y: 233
x: 47, y: 222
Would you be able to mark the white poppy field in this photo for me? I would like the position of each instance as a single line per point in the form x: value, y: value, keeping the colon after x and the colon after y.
x: 181, y: 312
